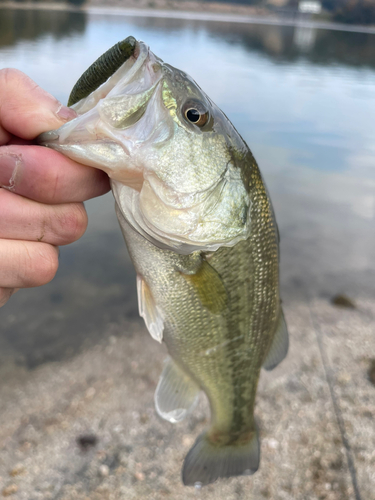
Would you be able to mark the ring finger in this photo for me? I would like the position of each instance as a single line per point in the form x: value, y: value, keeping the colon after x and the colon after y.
x: 25, y: 264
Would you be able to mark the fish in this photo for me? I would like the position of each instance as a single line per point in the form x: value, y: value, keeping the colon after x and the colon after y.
x: 201, y: 232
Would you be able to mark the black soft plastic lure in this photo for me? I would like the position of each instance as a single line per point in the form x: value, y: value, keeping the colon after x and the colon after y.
x: 102, y: 69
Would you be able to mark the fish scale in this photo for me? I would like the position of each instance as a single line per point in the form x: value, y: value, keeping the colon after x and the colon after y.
x: 258, y: 312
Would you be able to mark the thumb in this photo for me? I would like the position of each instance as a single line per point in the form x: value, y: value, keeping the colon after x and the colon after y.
x: 26, y: 110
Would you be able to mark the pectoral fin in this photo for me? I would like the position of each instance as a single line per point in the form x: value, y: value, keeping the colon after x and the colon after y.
x: 149, y: 311
x: 209, y: 287
x: 279, y: 346
x: 176, y: 393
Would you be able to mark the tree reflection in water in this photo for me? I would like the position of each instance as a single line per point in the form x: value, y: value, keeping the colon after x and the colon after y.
x: 18, y: 25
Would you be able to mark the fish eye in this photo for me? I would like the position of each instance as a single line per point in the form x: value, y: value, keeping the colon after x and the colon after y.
x: 195, y: 112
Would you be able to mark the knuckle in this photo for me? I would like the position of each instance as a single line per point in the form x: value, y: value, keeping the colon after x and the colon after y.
x: 48, y: 263
x: 72, y: 222
x: 9, y: 75
x: 40, y: 264
x: 11, y: 79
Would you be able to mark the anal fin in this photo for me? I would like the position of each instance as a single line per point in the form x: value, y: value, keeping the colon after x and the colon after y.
x: 149, y: 311
x: 279, y: 346
x: 176, y: 393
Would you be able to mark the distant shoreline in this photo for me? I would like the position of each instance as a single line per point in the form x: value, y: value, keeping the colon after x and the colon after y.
x: 194, y: 16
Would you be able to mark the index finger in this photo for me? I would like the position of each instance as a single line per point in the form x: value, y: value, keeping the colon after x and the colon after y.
x: 26, y: 110
x: 38, y: 173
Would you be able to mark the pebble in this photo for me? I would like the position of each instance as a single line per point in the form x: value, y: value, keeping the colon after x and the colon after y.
x: 371, y: 371
x: 17, y: 470
x: 104, y: 470
x: 344, y: 378
x: 343, y: 301
x: 90, y: 393
x: 10, y: 490
x: 187, y: 440
x: 273, y: 444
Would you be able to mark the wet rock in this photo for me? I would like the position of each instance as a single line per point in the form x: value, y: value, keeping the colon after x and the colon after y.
x: 343, y: 301
x: 87, y: 441
x: 371, y: 372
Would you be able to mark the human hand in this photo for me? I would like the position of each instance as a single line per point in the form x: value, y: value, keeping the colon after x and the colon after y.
x: 41, y: 191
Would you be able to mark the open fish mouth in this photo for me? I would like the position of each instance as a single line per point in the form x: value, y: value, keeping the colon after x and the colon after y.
x: 106, y: 131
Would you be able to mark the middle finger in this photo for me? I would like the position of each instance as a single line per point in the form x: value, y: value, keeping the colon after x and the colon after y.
x: 47, y: 176
x: 24, y: 219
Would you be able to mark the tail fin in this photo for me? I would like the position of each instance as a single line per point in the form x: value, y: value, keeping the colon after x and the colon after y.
x: 206, y: 462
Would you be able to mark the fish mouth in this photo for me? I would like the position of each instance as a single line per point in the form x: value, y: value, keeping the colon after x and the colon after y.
x: 104, y: 134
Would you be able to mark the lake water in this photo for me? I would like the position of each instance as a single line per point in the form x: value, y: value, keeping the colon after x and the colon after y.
x: 304, y: 101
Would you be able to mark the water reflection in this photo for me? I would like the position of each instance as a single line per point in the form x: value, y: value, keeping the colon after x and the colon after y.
x: 289, y: 44
x: 304, y: 38
x: 31, y: 25
x: 280, y: 43
x: 301, y: 98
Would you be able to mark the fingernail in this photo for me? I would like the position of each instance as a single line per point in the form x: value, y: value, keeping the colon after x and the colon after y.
x: 10, y: 169
x: 65, y: 113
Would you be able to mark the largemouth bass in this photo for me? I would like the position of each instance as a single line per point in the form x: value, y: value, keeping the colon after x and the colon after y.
x: 201, y: 232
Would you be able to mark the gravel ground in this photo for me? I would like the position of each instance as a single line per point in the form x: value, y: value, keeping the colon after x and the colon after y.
x: 86, y: 429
